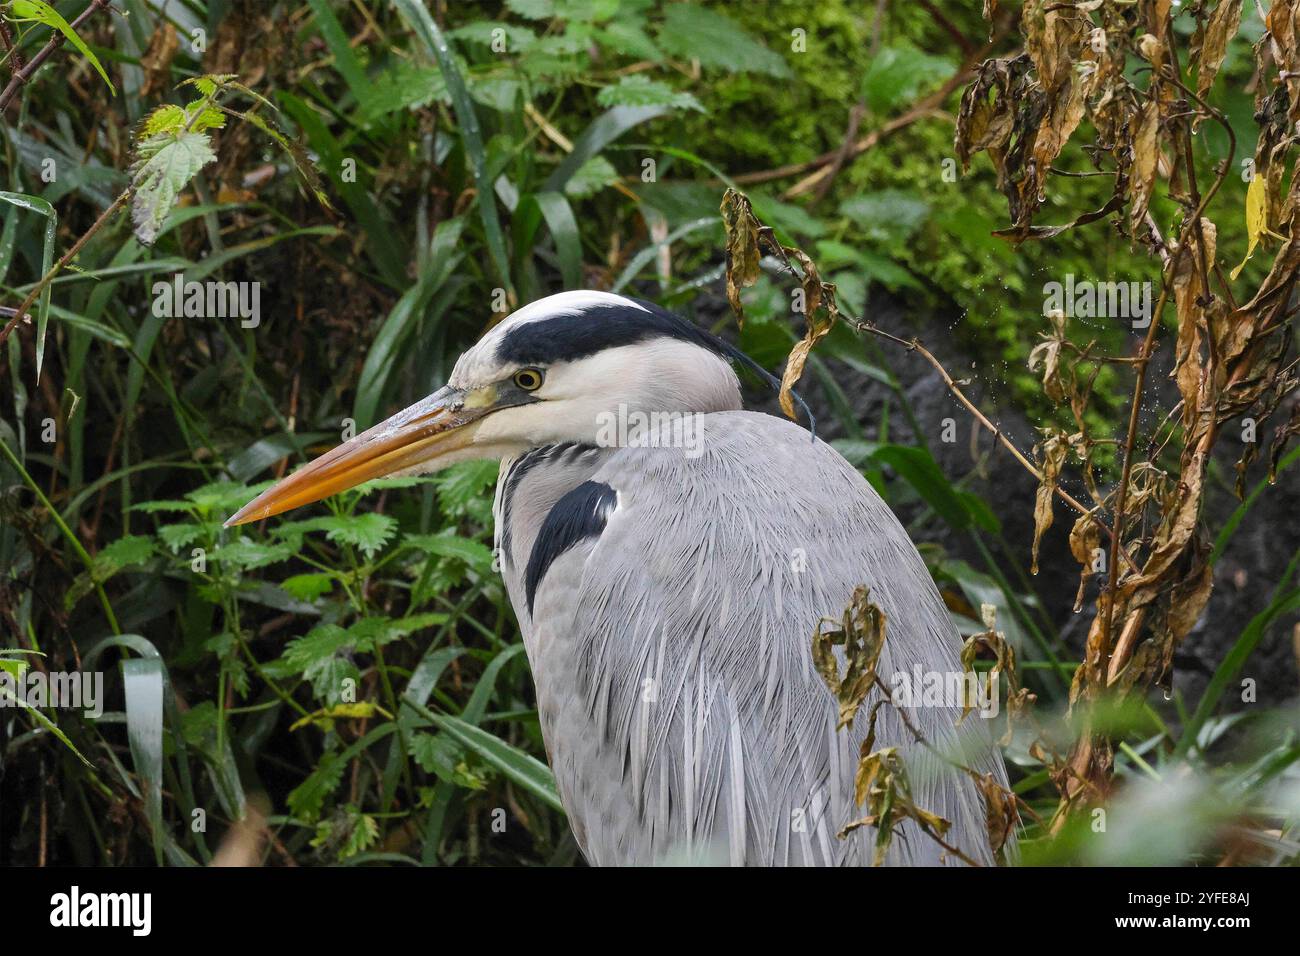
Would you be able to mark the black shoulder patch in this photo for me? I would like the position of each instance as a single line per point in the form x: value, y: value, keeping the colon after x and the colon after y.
x: 566, y: 338
x: 525, y: 463
x: 580, y: 514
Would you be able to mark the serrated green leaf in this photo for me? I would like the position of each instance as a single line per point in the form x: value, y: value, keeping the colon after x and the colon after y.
x: 247, y: 554
x: 164, y: 166
x: 638, y: 89
x: 698, y: 33
x: 308, y: 587
x: 438, y: 754
x: 475, y: 554
x: 306, y: 800
x: 463, y: 488
x: 177, y: 536
x: 168, y: 118
x: 590, y: 178
x: 367, y: 532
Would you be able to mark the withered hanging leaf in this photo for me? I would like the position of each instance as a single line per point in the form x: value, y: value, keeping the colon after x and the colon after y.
x: 1054, y: 33
x: 1191, y: 302
x: 743, y: 254
x: 1001, y: 815
x: 1051, y: 456
x: 1047, y: 353
x: 1146, y: 152
x: 1018, y: 235
x: 821, y: 319
x: 861, y: 634
x: 987, y: 113
x: 881, y: 786
x: 1219, y: 29
x: 298, y: 154
x: 1085, y: 538
x: 993, y: 643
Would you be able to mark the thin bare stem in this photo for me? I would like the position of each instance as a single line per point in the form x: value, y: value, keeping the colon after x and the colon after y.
x: 68, y: 256
x: 22, y: 76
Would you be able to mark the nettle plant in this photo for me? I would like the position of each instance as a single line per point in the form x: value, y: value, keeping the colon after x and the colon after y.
x: 370, y: 585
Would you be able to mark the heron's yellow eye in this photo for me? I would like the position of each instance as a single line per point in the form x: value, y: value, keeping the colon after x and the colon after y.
x: 529, y: 379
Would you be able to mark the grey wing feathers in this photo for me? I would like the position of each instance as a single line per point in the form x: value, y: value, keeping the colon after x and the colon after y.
x: 683, y: 716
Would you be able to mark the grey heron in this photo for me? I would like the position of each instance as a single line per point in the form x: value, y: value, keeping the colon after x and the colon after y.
x: 668, y: 556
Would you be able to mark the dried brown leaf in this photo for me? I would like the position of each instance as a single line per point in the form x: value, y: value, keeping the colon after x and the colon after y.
x: 861, y: 636
x: 1213, y: 46
x: 743, y: 253
x: 1051, y: 454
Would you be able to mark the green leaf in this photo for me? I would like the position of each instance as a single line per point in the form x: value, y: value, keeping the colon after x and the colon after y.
x: 897, y: 75
x: 564, y: 230
x: 370, y: 633
x: 517, y: 39
x: 463, y: 488
x: 247, y: 554
x: 42, y: 207
x: 438, y: 754
x: 168, y: 118
x: 450, y: 545
x: 368, y: 532
x: 532, y: 9
x: 164, y: 166
x: 308, y: 798
x: 628, y: 39
x: 889, y: 215
x: 308, y: 587
x: 123, y: 553
x: 15, y: 669
x: 919, y: 469
x: 363, y: 833
x: 143, y: 680
x: 404, y: 85
x: 589, y: 178
x: 315, y: 656
x: 42, y: 12
x: 177, y: 536
x: 694, y: 32
x: 220, y: 497
x: 525, y: 770
x: 637, y: 89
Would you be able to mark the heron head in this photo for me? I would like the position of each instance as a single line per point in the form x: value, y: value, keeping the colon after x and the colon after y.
x: 553, y: 371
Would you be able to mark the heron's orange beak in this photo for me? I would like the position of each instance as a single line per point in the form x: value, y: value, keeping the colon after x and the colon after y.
x: 434, y: 426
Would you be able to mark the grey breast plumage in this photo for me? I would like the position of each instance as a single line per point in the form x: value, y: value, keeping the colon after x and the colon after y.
x: 667, y: 604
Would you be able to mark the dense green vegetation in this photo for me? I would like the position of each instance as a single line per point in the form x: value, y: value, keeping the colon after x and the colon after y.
x: 394, y: 176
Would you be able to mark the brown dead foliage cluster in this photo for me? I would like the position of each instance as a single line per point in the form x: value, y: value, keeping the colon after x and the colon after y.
x: 1230, y: 359
x: 1142, y: 536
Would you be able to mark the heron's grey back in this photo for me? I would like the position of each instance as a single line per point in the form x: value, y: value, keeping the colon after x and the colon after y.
x: 672, y: 651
